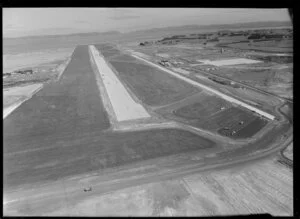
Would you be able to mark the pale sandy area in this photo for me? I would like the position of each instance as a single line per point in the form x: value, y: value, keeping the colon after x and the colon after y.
x: 124, y: 106
x: 236, y: 61
x: 264, y: 187
x: 15, y: 96
x: 12, y: 62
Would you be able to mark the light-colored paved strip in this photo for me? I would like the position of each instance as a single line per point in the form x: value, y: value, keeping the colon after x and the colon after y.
x: 124, y: 106
x: 224, y: 96
x: 28, y: 91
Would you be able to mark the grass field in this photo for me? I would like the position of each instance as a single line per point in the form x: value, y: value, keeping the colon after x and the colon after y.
x: 59, y: 132
x: 246, y: 131
x: 124, y: 58
x: 109, y: 53
x: 151, y: 85
x: 107, y: 50
x: 209, y: 116
x: 229, y: 118
x: 266, y: 46
x: 204, y: 107
x: 81, y: 153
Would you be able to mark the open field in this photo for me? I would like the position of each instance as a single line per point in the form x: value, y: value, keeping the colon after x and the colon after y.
x: 220, y: 94
x: 68, y: 117
x: 277, y: 80
x: 107, y: 51
x: 233, y: 119
x: 203, y: 107
x: 228, y: 118
x: 261, y: 187
x: 43, y: 73
x: 211, y: 113
x: 127, y: 109
x: 12, y: 62
x: 152, y: 86
x: 181, y: 71
x: 235, y: 61
x: 124, y: 58
x: 70, y: 154
x: 260, y: 75
x: 281, y: 46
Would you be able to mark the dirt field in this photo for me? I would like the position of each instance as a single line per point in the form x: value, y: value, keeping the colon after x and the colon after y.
x: 13, y: 62
x: 224, y: 121
x: 180, y: 70
x: 124, y: 58
x: 262, y: 187
x: 235, y: 61
x: 228, y: 118
x: 280, y: 46
x: 204, y: 106
x: 152, y: 86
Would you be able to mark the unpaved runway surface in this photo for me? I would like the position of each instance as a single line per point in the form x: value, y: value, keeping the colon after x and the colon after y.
x: 124, y: 106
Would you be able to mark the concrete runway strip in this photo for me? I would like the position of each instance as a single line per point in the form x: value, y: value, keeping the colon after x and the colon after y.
x: 124, y: 106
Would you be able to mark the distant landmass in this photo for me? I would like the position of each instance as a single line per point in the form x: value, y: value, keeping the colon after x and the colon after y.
x: 35, y: 43
x: 170, y: 30
x: 88, y: 34
x: 222, y: 26
x: 214, y: 27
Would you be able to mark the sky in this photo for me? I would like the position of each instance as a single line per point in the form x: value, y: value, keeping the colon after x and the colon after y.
x: 18, y: 22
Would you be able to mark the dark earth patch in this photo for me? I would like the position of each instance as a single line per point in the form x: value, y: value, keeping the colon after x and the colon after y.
x: 151, y: 85
x: 94, y: 151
